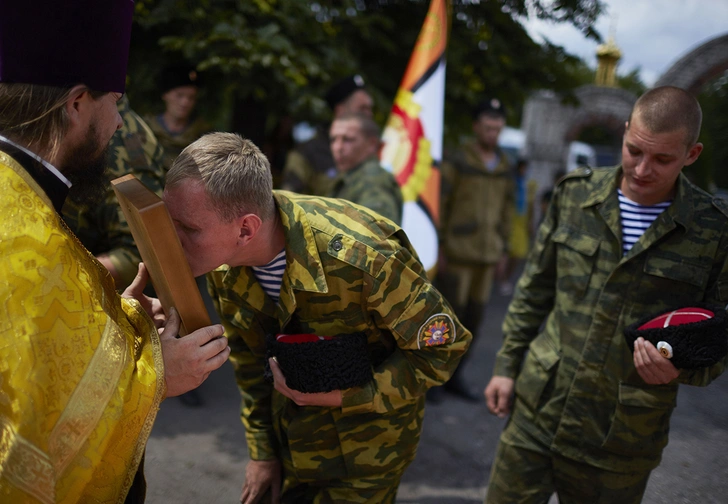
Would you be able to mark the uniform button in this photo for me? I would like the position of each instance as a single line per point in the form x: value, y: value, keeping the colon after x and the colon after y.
x: 587, y: 171
x: 337, y: 245
x: 665, y: 349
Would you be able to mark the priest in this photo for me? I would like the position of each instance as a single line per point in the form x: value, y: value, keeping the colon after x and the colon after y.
x: 82, y: 370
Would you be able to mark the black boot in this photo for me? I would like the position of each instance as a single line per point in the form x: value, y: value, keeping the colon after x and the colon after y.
x: 457, y: 386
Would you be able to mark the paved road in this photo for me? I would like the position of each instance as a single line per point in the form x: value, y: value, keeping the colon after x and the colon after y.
x: 198, y: 455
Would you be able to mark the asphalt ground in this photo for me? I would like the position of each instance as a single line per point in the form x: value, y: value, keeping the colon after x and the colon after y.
x: 198, y: 454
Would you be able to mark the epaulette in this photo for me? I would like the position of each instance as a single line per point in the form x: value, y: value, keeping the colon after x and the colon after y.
x: 581, y: 172
x: 721, y: 204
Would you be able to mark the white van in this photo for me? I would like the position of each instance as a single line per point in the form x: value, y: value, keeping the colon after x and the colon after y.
x: 512, y: 141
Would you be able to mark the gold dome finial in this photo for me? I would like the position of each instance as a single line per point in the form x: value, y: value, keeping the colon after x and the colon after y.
x: 608, y: 56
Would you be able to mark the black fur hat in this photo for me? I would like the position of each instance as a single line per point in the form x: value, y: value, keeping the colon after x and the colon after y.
x: 314, y: 363
x: 343, y: 89
x: 179, y: 76
x: 691, y: 337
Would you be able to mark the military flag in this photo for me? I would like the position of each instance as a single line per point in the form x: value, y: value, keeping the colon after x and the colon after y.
x: 412, y: 138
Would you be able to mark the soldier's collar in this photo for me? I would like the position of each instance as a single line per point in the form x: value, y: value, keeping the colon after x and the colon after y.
x: 472, y: 155
x: 682, y: 206
x: 604, y: 187
x: 303, y: 263
x: 681, y: 210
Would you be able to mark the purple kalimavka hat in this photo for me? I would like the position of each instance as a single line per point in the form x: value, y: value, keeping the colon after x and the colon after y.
x: 62, y: 43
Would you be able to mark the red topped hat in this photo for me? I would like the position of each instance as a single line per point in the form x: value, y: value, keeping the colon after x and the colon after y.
x: 691, y: 337
x: 64, y: 43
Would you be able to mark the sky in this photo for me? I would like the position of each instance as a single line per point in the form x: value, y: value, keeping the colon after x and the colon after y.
x: 652, y: 34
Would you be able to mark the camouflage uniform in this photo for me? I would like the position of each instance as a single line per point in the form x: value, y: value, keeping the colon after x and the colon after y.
x: 578, y: 394
x: 174, y: 143
x: 103, y: 230
x: 371, y: 186
x: 310, y: 167
x: 476, y: 213
x: 347, y: 271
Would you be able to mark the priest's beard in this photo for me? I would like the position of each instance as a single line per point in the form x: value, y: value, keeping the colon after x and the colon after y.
x: 85, y: 167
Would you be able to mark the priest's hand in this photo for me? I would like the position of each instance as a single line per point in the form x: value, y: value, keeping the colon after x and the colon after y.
x: 260, y: 475
x: 151, y: 305
x: 651, y: 365
x: 329, y: 399
x: 189, y: 361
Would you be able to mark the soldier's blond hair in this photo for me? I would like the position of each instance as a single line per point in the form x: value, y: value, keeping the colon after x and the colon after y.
x: 667, y: 109
x: 235, y: 173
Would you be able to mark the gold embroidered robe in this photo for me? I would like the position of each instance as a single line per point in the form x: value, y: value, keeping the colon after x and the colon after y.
x: 81, y: 370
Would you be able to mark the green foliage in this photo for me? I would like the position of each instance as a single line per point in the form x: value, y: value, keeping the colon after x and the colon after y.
x: 283, y: 54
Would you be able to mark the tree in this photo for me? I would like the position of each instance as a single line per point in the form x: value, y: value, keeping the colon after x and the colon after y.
x: 277, y: 57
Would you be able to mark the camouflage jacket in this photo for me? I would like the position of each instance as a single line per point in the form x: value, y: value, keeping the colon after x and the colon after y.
x: 347, y: 270
x: 476, y: 207
x: 578, y: 391
x: 103, y: 229
x: 310, y: 167
x: 371, y: 186
x: 174, y: 143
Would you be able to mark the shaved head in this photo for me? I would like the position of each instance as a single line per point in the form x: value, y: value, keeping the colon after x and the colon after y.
x: 668, y: 109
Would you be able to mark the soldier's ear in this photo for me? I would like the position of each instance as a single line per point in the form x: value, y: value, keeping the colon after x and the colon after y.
x: 249, y: 225
x: 693, y: 153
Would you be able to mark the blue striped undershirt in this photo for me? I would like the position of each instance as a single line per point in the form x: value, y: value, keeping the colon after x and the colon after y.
x: 270, y: 276
x: 636, y: 219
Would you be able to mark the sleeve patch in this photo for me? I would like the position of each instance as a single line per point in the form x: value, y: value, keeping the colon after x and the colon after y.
x: 437, y: 330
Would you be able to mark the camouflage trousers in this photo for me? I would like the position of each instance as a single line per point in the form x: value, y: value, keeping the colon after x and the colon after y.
x: 318, y: 470
x: 359, y: 491
x: 522, y: 475
x: 472, y: 283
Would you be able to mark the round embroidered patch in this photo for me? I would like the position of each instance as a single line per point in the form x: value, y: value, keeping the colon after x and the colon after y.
x: 437, y: 330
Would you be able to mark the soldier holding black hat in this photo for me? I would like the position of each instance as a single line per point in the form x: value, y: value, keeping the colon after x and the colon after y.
x: 177, y: 126
x: 82, y: 370
x: 310, y: 167
x: 476, y: 212
x: 621, y: 300
x: 333, y: 298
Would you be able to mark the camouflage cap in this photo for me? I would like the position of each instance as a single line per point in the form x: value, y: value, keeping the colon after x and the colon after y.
x: 313, y: 363
x: 691, y: 337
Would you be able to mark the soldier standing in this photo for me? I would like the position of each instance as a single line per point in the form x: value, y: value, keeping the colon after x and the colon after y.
x: 591, y: 417
x: 477, y: 208
x: 310, y: 167
x: 102, y: 227
x: 322, y: 268
x: 177, y: 126
x: 355, y: 143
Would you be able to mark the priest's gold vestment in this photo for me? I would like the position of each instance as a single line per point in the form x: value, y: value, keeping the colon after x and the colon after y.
x: 81, y: 370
